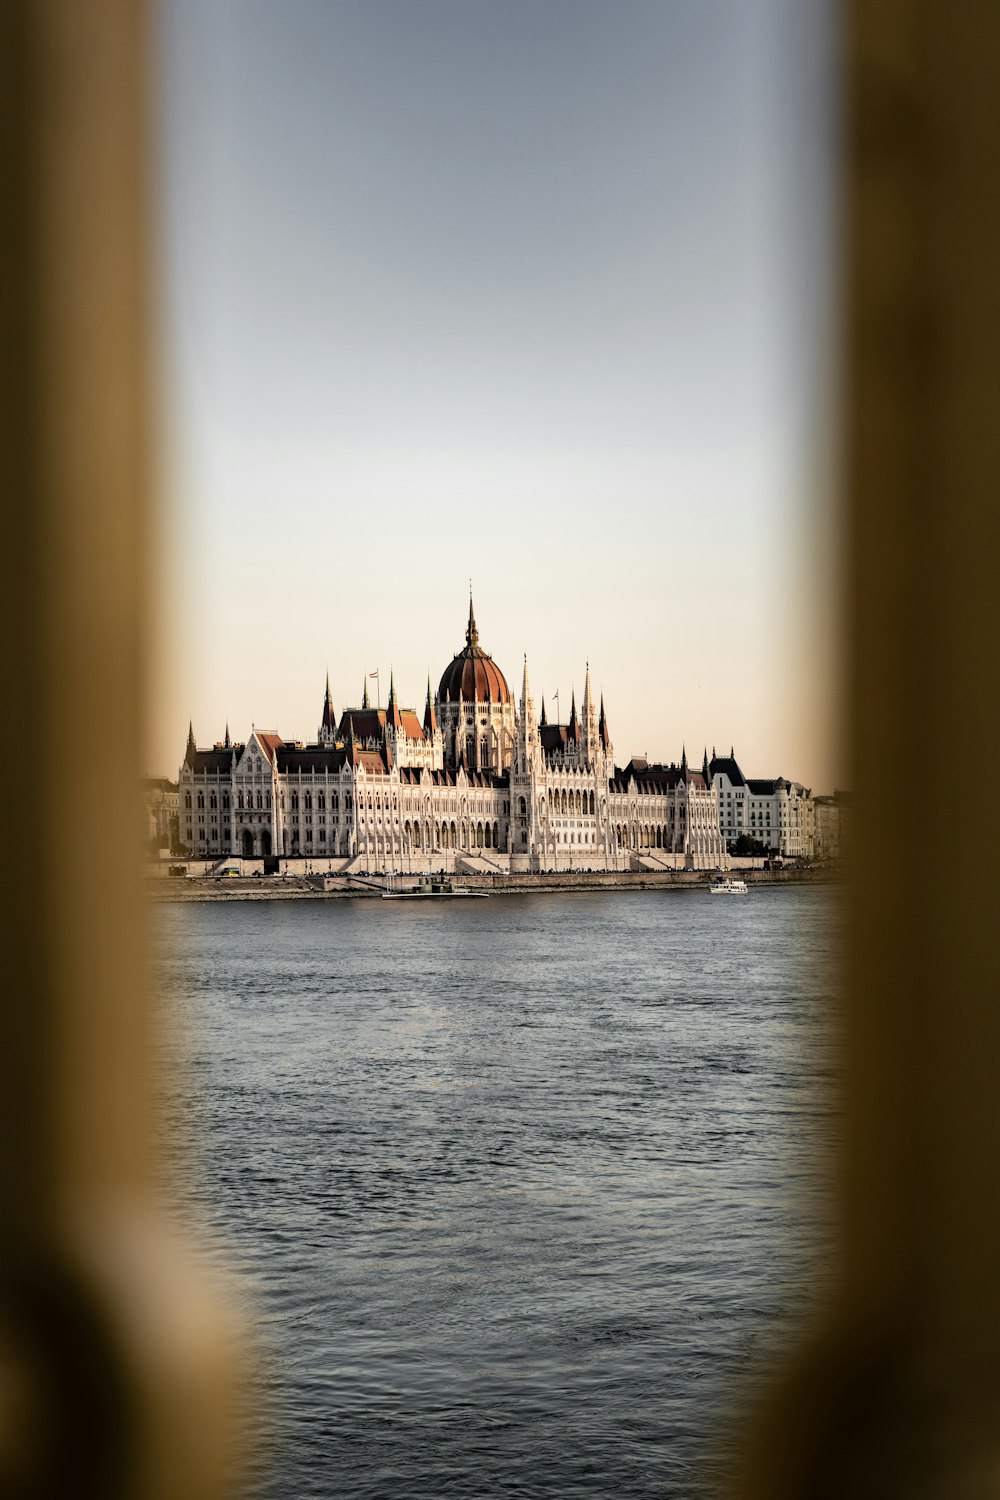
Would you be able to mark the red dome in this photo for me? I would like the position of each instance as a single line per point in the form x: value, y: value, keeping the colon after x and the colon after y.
x: 473, y: 673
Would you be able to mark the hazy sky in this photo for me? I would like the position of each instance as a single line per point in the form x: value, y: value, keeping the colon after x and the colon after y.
x: 535, y: 292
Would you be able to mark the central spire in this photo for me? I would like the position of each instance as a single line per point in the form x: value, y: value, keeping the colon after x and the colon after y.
x: 472, y: 634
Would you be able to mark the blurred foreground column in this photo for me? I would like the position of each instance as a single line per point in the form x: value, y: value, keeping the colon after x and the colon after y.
x: 901, y: 1395
x: 112, y: 1374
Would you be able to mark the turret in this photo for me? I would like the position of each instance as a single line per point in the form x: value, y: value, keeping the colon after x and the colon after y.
x: 328, y: 720
x: 528, y: 746
x: 191, y: 749
x: 589, y: 726
x: 365, y: 700
x: 392, y: 708
x: 430, y: 716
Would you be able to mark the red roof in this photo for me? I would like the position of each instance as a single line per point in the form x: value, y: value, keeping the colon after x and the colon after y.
x: 412, y: 727
x: 270, y: 743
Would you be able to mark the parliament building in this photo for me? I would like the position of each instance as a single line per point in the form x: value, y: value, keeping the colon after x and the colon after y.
x: 478, y: 783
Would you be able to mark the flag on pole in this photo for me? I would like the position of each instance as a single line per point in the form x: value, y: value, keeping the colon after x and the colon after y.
x: 373, y: 674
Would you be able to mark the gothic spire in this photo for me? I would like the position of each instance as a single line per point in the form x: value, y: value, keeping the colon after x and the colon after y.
x: 392, y: 706
x: 328, y: 720
x: 543, y: 720
x: 227, y: 743
x: 704, y: 766
x: 430, y: 717
x: 572, y: 716
x: 366, y: 701
x: 602, y: 727
x: 189, y: 752
x: 684, y: 760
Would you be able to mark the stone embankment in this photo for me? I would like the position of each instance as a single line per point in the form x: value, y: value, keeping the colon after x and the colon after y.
x: 319, y: 887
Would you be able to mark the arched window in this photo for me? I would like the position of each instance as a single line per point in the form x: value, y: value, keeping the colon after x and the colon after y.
x: 213, y: 800
x: 592, y: 807
x: 201, y: 800
x: 309, y: 800
x: 295, y: 802
x: 496, y: 835
x: 320, y: 800
x: 260, y: 799
x: 522, y: 807
x: 187, y: 800
x: 479, y: 835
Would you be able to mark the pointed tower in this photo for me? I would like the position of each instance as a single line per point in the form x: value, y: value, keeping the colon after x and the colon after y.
x: 529, y: 756
x: 191, y: 749
x: 471, y: 633
x: 395, y: 734
x: 392, y: 707
x: 526, y: 771
x: 684, y: 762
x: 433, y: 737
x: 543, y: 720
x: 227, y: 743
x: 588, y: 737
x: 365, y: 700
x: 430, y: 717
x: 604, y: 736
x: 704, y: 768
x: 328, y: 720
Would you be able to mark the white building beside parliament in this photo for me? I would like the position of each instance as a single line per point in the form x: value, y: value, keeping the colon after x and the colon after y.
x: 478, y: 783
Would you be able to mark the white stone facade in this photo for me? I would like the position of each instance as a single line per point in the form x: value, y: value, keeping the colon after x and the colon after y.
x: 479, y: 783
x: 777, y: 813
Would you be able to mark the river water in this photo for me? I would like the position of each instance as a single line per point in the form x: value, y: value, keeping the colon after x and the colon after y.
x: 523, y: 1188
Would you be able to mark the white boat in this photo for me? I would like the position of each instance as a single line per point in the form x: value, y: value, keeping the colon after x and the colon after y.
x: 725, y: 885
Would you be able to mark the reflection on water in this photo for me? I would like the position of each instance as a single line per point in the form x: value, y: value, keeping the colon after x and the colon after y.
x: 522, y: 1184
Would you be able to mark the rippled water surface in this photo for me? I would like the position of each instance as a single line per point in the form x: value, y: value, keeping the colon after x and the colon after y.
x: 522, y: 1185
